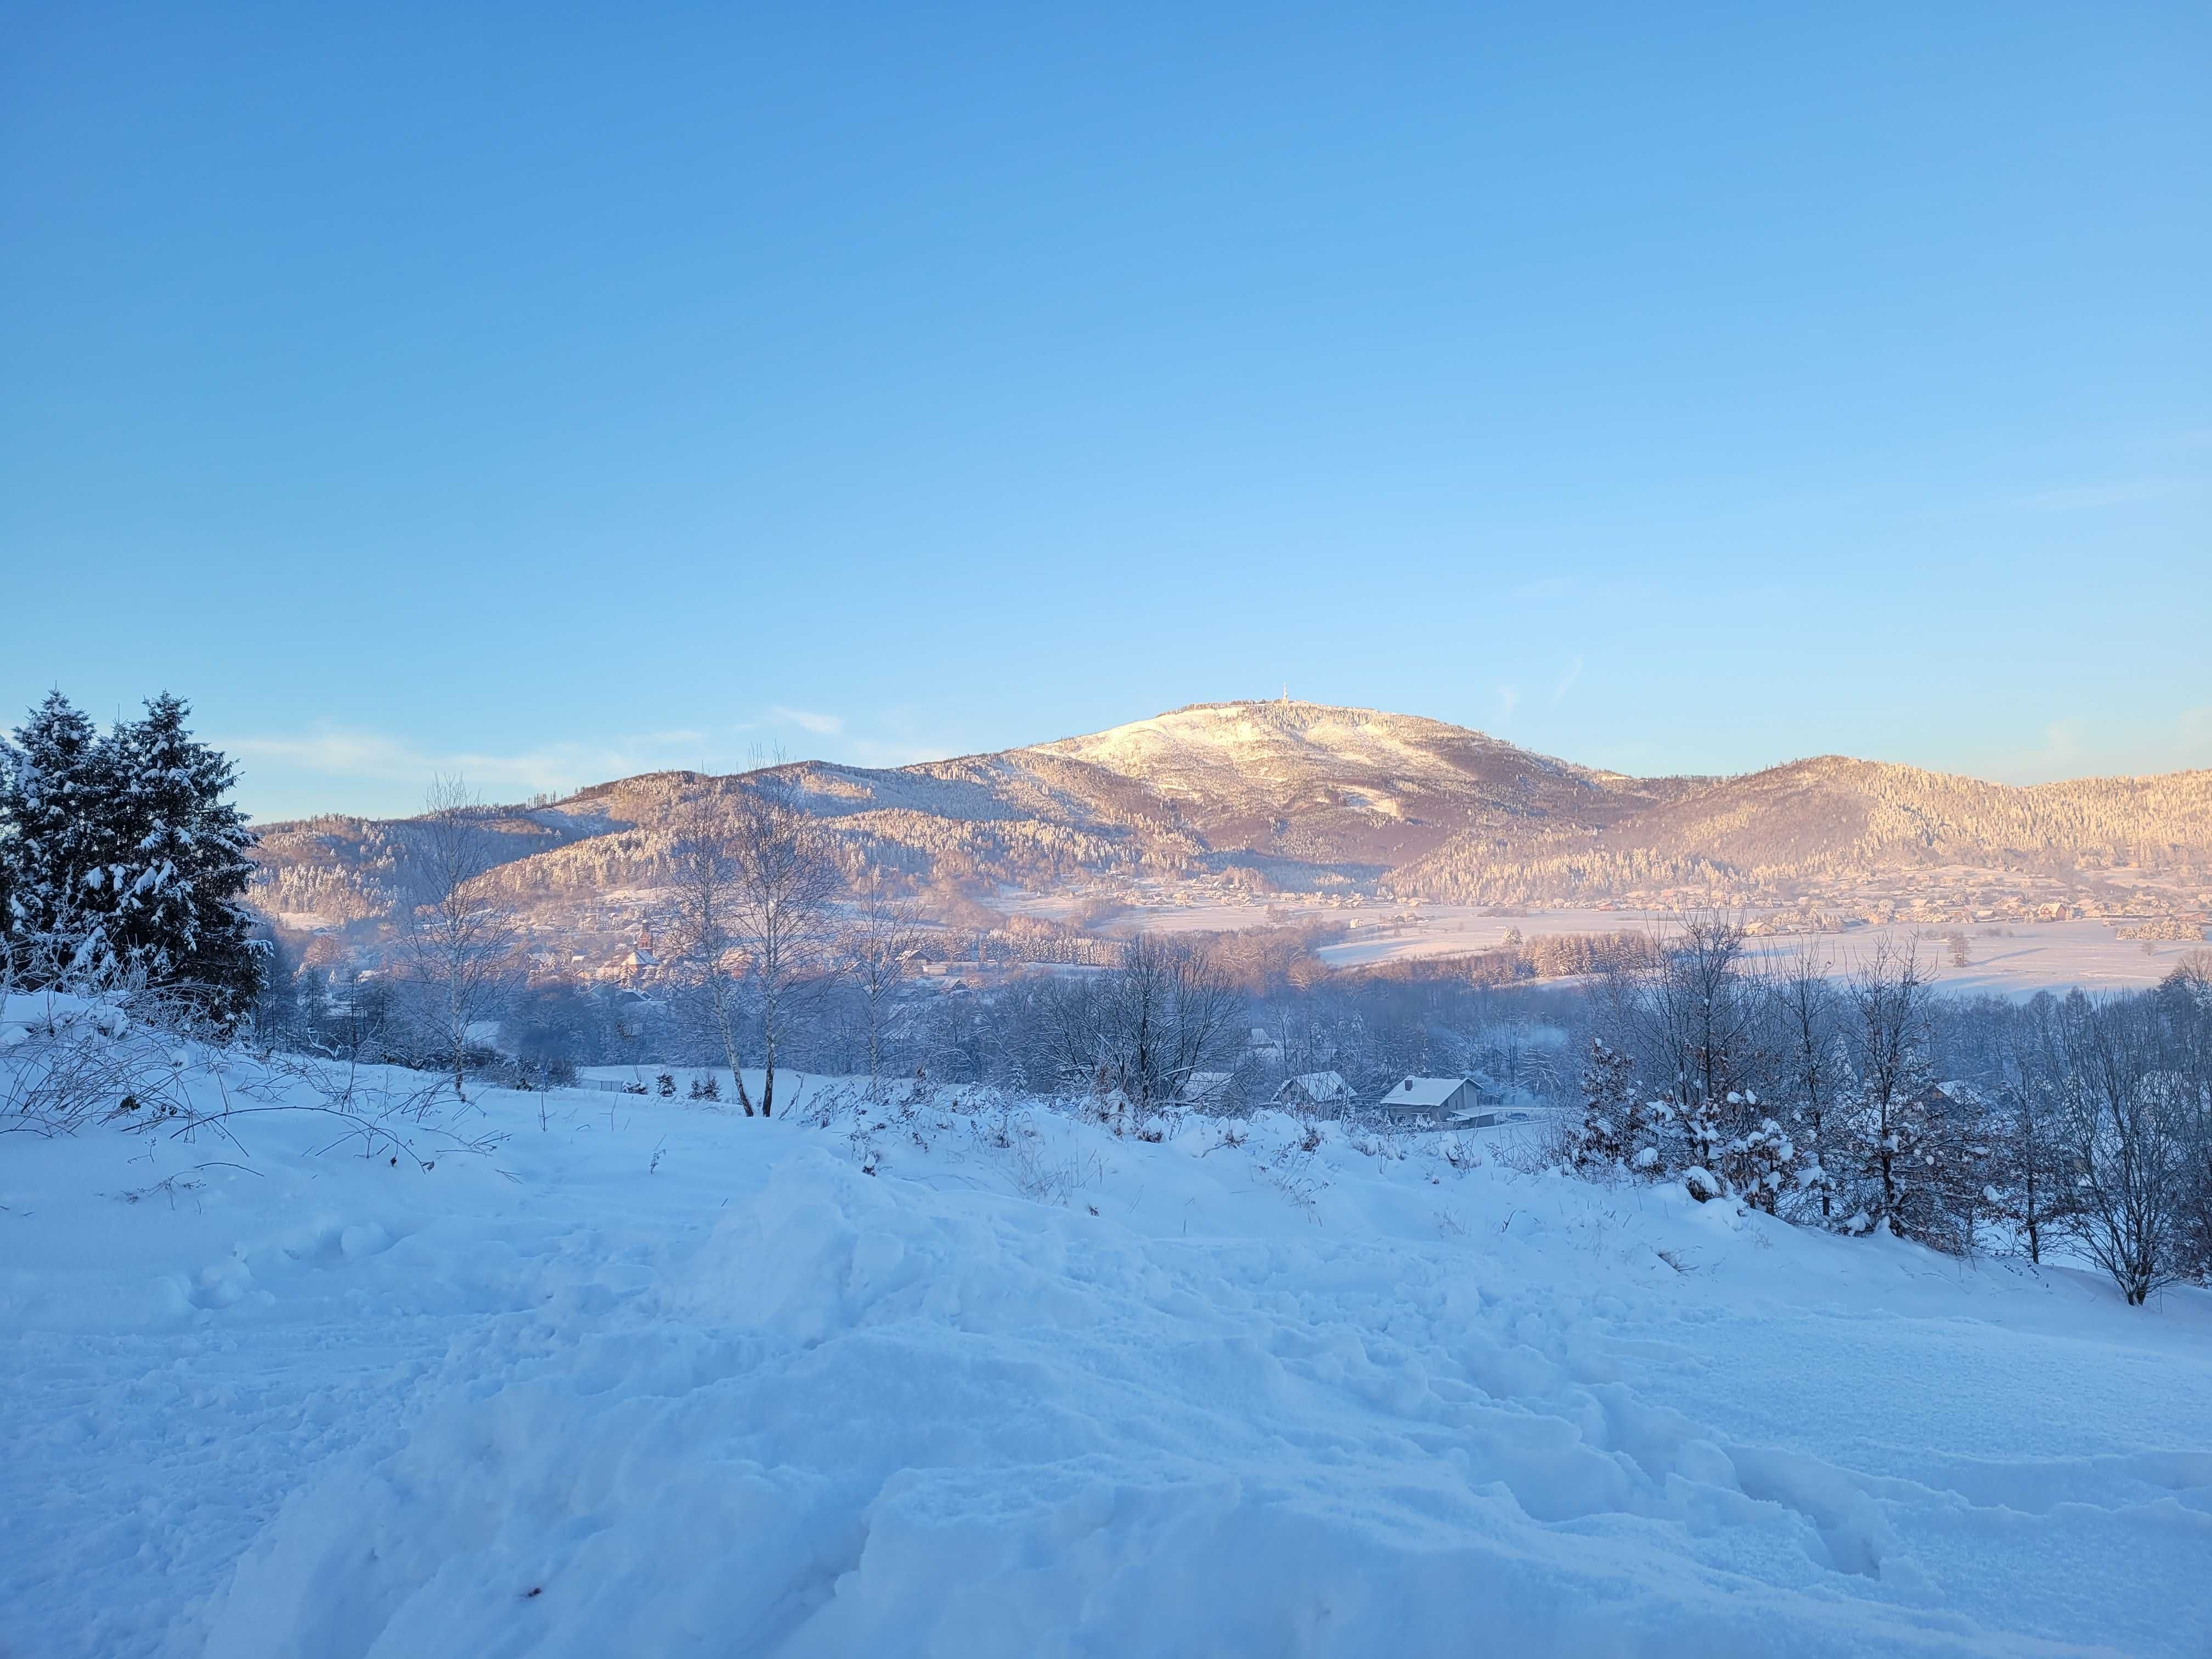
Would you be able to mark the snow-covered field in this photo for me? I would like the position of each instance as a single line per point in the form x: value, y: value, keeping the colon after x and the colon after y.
x: 2020, y: 959
x: 649, y: 1378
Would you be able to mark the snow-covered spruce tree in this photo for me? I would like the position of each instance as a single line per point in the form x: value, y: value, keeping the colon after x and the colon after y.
x: 180, y: 865
x: 57, y: 818
x: 124, y: 861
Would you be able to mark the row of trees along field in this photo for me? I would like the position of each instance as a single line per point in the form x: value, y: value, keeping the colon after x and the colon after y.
x: 122, y: 863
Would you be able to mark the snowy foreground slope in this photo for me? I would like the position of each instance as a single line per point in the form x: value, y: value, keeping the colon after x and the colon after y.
x: 653, y: 1379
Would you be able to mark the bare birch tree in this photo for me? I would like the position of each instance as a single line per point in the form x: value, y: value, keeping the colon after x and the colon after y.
x: 457, y: 940
x: 784, y: 882
x: 703, y: 868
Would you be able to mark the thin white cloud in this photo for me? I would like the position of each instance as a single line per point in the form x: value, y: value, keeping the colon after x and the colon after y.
x: 336, y: 754
x: 1567, y: 683
x: 392, y: 771
x: 374, y: 757
x: 1509, y: 698
x: 822, y: 725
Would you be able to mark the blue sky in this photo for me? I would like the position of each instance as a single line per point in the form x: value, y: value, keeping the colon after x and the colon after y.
x: 557, y: 392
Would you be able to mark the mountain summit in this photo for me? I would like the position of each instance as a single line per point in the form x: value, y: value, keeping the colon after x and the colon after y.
x: 1314, y: 782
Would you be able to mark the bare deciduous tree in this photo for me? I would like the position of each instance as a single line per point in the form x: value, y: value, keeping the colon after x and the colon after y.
x: 784, y: 881
x: 1705, y: 1018
x: 1907, y: 1158
x: 1147, y: 1026
x: 1810, y: 1066
x: 876, y: 952
x: 703, y: 902
x: 1687, y: 1013
x: 2128, y: 1111
x: 458, y: 941
x: 2034, y: 1160
x: 1888, y: 1011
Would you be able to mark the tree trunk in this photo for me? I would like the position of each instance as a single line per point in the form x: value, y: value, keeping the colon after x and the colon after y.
x: 722, y: 1020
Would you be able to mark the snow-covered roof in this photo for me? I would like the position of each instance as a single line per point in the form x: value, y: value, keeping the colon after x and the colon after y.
x: 1425, y: 1092
x: 1204, y: 1086
x: 1315, y: 1086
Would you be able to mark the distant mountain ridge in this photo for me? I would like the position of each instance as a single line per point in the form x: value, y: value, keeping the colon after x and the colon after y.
x: 1297, y: 797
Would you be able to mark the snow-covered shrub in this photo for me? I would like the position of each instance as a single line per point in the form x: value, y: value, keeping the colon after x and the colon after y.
x: 1811, y: 1201
x: 70, y: 1059
x: 1762, y: 1164
x: 1378, y: 1135
x: 1605, y: 1138
x: 1704, y: 1133
x: 1620, y: 1132
x: 1459, y: 1154
x: 1290, y: 1169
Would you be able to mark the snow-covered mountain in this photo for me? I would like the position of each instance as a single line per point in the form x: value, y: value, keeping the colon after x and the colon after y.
x: 1284, y: 796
